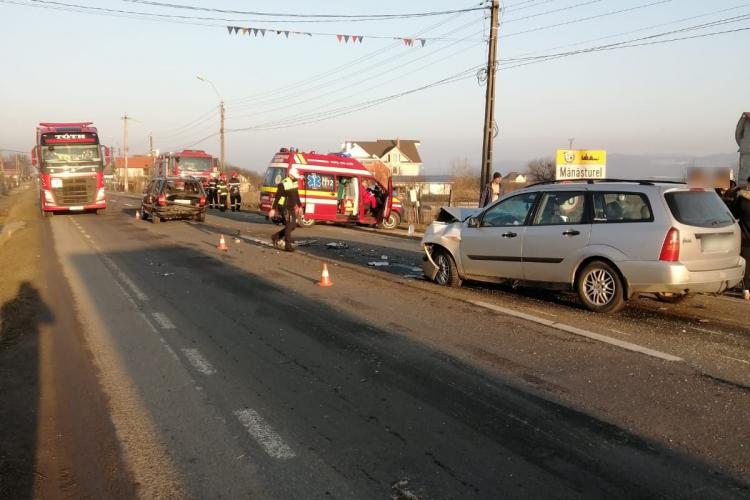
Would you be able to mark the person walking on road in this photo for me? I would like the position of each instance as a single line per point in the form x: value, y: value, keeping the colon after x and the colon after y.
x: 222, y: 192
x: 491, y: 191
x: 742, y: 212
x: 234, y: 193
x: 289, y: 206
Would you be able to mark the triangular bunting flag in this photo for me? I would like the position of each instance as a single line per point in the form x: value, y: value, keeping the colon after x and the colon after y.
x: 346, y: 38
x: 287, y: 34
x: 360, y: 38
x: 354, y: 38
x: 340, y: 37
x: 255, y: 32
x: 236, y: 29
x: 278, y: 32
x: 423, y: 41
x: 245, y: 31
x: 229, y: 29
x: 263, y: 32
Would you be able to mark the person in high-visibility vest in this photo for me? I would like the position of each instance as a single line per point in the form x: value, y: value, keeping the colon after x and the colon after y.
x: 234, y: 193
x: 222, y: 192
x: 211, y: 192
x: 289, y: 206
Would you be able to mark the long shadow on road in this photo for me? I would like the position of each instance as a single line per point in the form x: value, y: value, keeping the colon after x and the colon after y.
x: 20, y: 319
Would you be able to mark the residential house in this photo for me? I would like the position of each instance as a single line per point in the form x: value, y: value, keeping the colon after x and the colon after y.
x: 139, y: 166
x: 743, y: 141
x: 401, y: 156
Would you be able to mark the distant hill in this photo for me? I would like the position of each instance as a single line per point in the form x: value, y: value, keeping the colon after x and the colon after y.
x: 646, y: 166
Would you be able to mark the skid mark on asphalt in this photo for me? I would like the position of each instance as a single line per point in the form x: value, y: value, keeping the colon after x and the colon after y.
x: 198, y: 361
x: 264, y: 434
x: 163, y: 320
x: 578, y: 331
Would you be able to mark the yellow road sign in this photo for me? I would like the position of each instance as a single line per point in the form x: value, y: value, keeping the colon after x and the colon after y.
x: 581, y: 164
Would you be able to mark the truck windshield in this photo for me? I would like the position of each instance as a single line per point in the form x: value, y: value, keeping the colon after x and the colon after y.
x: 70, y: 153
x: 194, y: 164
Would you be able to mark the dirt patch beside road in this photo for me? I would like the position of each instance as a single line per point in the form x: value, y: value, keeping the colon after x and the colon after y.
x: 56, y: 439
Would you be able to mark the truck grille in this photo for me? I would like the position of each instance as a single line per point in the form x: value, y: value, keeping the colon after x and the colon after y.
x: 76, y: 191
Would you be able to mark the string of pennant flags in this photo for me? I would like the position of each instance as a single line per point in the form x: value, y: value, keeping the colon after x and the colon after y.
x: 239, y: 30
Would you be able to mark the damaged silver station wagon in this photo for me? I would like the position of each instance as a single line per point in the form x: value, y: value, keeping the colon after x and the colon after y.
x: 608, y: 241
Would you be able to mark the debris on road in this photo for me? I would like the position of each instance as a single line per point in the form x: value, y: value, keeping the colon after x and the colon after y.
x: 305, y: 243
x: 339, y: 245
x: 384, y: 257
x: 377, y: 263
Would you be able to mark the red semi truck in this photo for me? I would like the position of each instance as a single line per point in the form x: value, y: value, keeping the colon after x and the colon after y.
x: 71, y: 167
x: 186, y: 163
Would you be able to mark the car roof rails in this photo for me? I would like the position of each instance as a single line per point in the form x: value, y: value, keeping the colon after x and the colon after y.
x: 642, y: 182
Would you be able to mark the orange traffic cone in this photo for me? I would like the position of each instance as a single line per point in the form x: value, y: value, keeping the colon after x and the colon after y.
x: 325, y: 278
x: 222, y: 244
x: 137, y: 214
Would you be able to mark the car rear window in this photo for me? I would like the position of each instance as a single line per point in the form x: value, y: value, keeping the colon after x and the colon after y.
x: 699, y: 208
x: 182, y: 187
x: 621, y: 207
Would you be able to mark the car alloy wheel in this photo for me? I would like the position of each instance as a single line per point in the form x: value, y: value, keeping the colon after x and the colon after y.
x: 599, y: 287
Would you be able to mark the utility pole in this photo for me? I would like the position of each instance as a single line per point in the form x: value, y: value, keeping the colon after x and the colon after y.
x: 221, y: 135
x: 489, y: 104
x: 570, y: 143
x: 125, y: 147
x: 151, y: 144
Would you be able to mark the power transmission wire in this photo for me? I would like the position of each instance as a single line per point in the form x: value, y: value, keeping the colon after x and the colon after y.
x: 347, y: 17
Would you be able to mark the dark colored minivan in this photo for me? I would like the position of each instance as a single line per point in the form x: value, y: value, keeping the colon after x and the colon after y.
x: 168, y: 198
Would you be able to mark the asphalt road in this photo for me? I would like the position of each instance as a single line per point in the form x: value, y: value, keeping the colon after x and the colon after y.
x: 232, y: 374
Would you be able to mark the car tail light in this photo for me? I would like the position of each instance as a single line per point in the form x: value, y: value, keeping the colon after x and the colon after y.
x: 162, y: 200
x: 670, y: 250
x: 202, y: 201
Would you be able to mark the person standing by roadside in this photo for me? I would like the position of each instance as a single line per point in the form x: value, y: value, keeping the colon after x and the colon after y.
x: 234, y: 193
x: 742, y: 212
x: 289, y: 206
x: 212, y: 183
x: 222, y: 192
x: 491, y: 191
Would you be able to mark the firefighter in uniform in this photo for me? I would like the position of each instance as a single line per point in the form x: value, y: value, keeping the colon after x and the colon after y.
x: 289, y: 206
x: 212, y: 192
x: 234, y: 193
x: 222, y: 192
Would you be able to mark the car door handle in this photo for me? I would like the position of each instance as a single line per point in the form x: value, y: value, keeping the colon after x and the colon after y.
x: 571, y: 232
x: 509, y: 235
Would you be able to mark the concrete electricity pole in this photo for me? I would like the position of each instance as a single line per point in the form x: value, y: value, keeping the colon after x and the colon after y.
x: 570, y: 143
x: 221, y: 114
x: 125, y: 147
x: 489, y: 105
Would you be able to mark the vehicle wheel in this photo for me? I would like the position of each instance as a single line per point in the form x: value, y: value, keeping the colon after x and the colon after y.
x: 447, y: 274
x: 600, y: 288
x: 392, y: 222
x: 155, y: 219
x: 306, y: 222
x: 47, y: 214
x: 101, y: 211
x: 144, y: 215
x: 200, y: 217
x: 671, y: 298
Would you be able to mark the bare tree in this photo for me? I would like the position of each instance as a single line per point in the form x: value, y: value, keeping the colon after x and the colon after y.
x: 465, y: 179
x: 541, y: 169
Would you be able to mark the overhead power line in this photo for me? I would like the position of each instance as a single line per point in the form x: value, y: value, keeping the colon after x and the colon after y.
x: 370, y: 17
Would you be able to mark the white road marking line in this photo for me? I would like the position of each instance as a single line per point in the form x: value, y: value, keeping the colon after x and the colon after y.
x: 124, y: 278
x: 578, y: 331
x: 705, y: 330
x: 161, y: 339
x: 198, y: 361
x: 164, y: 322
x: 264, y: 434
x: 736, y: 359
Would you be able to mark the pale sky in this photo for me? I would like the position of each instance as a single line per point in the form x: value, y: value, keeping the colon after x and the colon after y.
x: 680, y: 98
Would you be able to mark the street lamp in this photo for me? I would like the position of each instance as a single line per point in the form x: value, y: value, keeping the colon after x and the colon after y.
x: 221, y: 112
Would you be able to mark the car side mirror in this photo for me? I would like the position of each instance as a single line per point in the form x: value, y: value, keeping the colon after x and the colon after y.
x: 473, y: 222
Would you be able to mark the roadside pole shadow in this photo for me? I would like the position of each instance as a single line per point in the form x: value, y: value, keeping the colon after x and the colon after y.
x: 20, y: 319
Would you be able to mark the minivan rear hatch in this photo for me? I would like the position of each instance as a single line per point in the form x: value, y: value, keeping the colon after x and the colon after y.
x: 709, y: 235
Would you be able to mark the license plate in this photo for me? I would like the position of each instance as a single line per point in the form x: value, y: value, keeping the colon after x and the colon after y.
x: 57, y: 183
x: 716, y: 243
x: 182, y: 202
x: 75, y: 209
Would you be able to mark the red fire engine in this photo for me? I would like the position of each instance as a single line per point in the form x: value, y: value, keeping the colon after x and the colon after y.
x: 189, y: 162
x: 71, y: 167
